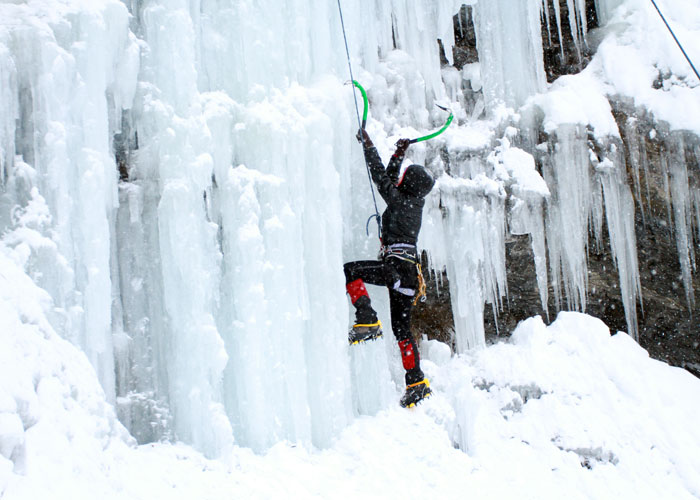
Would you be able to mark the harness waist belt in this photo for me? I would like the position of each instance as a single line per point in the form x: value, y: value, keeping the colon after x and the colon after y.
x: 404, y: 251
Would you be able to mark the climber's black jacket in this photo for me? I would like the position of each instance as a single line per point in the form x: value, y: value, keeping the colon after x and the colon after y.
x: 402, y: 218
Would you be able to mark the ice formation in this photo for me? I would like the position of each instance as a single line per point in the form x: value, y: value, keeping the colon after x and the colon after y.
x: 201, y: 187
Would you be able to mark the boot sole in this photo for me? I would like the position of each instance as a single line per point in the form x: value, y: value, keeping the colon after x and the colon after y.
x: 368, y: 339
x: 413, y: 405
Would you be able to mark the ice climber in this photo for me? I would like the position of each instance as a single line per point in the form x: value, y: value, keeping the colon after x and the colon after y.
x: 397, y: 267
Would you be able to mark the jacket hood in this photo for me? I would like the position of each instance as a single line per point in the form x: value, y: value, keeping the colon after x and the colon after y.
x: 416, y: 181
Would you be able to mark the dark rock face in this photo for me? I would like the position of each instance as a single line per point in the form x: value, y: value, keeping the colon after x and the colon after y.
x: 464, y: 51
x: 669, y: 327
x: 655, y: 158
x: 562, y: 57
x: 434, y: 316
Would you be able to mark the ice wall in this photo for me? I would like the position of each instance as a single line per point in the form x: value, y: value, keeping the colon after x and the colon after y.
x: 64, y: 78
x: 201, y: 272
x: 212, y: 274
x: 250, y: 159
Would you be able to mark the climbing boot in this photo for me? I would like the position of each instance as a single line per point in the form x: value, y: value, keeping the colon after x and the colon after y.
x: 364, y: 332
x: 416, y: 393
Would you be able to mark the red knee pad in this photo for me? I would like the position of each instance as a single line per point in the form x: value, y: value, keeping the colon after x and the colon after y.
x: 356, y: 289
x: 408, y: 354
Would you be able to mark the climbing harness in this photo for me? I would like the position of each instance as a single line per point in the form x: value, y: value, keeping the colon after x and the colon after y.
x: 361, y: 124
x: 407, y: 253
x: 676, y: 39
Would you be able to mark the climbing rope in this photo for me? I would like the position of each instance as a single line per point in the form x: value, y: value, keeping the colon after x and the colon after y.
x: 676, y: 39
x: 361, y: 124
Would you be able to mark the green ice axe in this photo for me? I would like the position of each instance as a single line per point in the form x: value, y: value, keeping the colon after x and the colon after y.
x: 437, y: 132
x: 413, y: 141
x: 364, y: 99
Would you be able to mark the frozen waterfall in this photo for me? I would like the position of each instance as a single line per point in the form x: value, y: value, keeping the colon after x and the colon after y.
x: 193, y: 167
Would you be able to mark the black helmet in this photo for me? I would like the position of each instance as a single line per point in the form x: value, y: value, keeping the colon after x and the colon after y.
x: 416, y: 181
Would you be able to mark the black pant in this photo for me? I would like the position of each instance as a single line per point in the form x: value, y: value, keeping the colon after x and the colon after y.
x: 401, y: 278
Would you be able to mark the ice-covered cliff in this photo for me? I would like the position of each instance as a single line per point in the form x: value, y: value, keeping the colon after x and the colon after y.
x: 189, y: 173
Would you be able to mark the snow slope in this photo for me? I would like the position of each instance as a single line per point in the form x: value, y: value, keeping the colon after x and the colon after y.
x: 559, y: 410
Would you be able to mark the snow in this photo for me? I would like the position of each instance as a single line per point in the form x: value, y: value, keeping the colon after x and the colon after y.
x: 633, y: 49
x: 564, y: 409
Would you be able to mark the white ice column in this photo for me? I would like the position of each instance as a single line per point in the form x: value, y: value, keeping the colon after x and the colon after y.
x: 471, y: 229
x: 675, y: 167
x: 605, y: 9
x: 8, y: 111
x: 285, y: 314
x: 619, y: 213
x: 568, y: 174
x: 70, y: 78
x: 175, y: 148
x: 265, y: 381
x: 141, y: 360
x: 509, y: 41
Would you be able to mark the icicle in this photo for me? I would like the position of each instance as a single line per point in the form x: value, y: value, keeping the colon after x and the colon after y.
x: 567, y: 172
x: 619, y: 213
x: 529, y: 191
x: 557, y: 12
x: 476, y: 271
x: 635, y: 148
x: 583, y: 19
x: 545, y: 6
x: 574, y: 25
x: 509, y: 40
x: 682, y: 214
